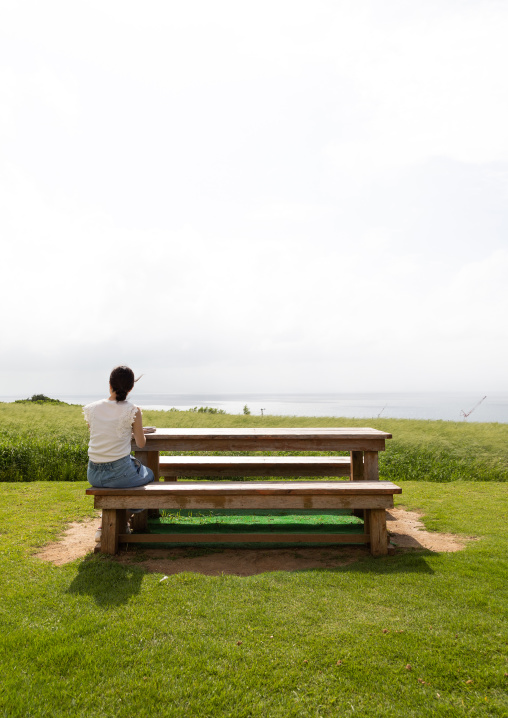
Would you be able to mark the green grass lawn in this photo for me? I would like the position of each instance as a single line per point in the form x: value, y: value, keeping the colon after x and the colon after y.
x: 99, y: 638
x: 96, y: 637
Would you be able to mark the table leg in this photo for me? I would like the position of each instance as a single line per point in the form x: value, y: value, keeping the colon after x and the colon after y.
x: 370, y: 466
x: 356, y: 465
x: 378, y: 532
x: 357, y: 475
x: 366, y: 521
x: 149, y: 459
x: 139, y: 522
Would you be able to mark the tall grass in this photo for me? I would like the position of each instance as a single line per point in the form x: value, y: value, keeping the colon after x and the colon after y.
x: 33, y: 459
x: 49, y: 443
x: 42, y: 443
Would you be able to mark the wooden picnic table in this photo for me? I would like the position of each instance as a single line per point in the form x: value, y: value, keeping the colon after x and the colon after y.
x: 363, y: 493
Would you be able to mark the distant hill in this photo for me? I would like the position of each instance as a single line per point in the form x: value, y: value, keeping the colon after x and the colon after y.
x: 40, y: 399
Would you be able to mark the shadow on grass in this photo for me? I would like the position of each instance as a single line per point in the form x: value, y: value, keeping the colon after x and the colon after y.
x: 403, y: 562
x: 242, y: 561
x: 108, y: 582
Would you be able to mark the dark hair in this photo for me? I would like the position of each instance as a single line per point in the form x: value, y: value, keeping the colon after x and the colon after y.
x: 122, y: 380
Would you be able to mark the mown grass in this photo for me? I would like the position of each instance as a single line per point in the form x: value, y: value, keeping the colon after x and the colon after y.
x: 39, y: 442
x: 96, y: 637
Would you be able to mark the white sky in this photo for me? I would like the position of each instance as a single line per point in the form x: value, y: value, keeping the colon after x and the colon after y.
x: 293, y: 195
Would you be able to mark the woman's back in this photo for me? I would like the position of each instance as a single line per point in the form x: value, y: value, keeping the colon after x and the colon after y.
x: 110, y: 425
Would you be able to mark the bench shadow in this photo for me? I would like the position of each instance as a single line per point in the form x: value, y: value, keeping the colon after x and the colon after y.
x: 241, y: 561
x: 109, y: 583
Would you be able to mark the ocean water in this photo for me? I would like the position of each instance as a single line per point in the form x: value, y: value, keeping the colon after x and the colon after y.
x: 446, y: 406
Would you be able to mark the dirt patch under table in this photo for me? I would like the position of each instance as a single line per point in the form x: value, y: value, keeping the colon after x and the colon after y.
x: 406, y: 530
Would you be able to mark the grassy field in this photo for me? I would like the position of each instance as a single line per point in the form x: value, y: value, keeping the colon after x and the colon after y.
x: 40, y: 443
x: 413, y: 634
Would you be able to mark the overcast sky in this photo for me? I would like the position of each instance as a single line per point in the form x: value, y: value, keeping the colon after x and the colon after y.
x: 256, y: 196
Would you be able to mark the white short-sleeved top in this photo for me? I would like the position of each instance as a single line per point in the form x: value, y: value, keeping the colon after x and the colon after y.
x: 110, y: 425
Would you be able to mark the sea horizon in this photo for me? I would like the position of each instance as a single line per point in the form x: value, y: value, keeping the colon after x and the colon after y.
x: 446, y: 406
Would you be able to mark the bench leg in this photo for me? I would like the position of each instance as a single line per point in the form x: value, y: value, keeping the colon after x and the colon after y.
x: 113, y: 523
x: 378, y: 532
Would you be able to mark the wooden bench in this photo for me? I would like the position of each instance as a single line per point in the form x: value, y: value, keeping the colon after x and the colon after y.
x: 364, y: 493
x: 372, y: 497
x: 174, y: 467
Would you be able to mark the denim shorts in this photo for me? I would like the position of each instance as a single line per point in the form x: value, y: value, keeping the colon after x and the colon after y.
x: 120, y: 474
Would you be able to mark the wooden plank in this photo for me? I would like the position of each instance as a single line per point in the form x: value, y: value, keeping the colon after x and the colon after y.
x: 357, y: 466
x: 370, y: 466
x: 378, y: 532
x: 249, y: 432
x: 199, y: 502
x: 245, y: 537
x: 256, y: 460
x: 262, y: 443
x: 313, y: 488
x: 173, y: 466
x: 260, y: 439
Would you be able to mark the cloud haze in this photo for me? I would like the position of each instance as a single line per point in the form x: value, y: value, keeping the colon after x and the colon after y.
x: 284, y: 196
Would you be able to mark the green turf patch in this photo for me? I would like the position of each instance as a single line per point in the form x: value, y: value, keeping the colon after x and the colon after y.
x: 238, y: 521
x: 234, y: 521
x: 259, y: 516
x: 253, y: 527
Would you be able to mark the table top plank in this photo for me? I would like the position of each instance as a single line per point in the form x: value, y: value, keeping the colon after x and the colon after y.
x: 262, y: 439
x: 342, y: 432
x: 255, y: 460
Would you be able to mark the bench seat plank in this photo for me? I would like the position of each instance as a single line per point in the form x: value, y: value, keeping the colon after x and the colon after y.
x: 252, y: 501
x: 251, y: 495
x: 272, y: 488
x: 175, y: 466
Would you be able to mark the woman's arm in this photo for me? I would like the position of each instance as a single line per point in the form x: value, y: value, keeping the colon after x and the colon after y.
x: 137, y: 429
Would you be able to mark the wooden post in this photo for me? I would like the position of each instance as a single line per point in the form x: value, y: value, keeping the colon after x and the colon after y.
x: 370, y: 466
x: 112, y: 521
x: 366, y: 520
x: 357, y: 475
x: 357, y: 466
x: 139, y: 522
x: 378, y: 533
x: 149, y: 459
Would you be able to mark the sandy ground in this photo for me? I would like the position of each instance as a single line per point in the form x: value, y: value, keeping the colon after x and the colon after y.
x: 406, y: 531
